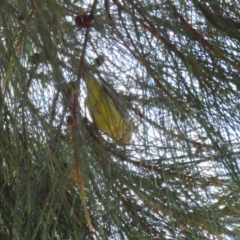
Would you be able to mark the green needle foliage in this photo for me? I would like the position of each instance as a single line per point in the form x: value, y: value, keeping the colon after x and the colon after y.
x: 175, y: 64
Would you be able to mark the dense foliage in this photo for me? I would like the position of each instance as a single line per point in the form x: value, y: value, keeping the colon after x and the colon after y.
x: 176, y: 64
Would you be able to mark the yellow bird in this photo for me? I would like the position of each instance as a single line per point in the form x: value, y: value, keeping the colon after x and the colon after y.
x: 107, y: 110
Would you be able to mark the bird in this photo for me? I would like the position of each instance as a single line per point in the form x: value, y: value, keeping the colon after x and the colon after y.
x: 107, y: 109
